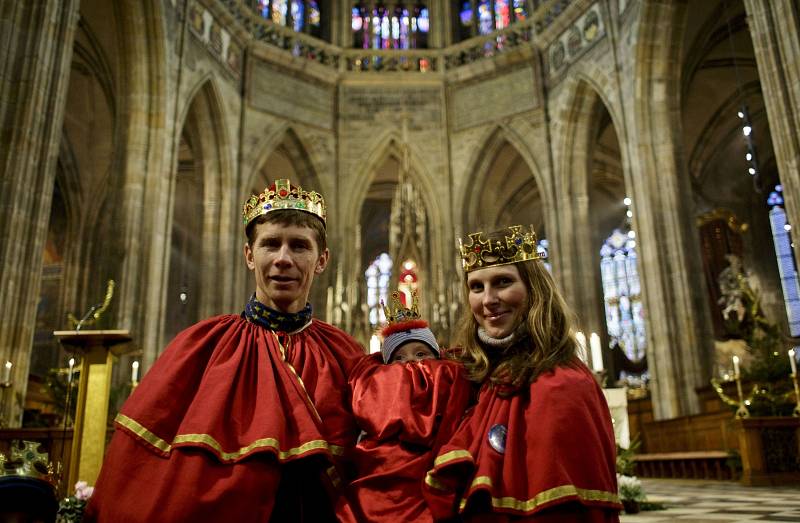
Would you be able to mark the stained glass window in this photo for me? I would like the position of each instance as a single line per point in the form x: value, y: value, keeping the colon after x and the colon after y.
x: 301, y: 15
x: 543, y: 247
x: 622, y: 293
x: 378, y: 274
x: 481, y: 17
x: 379, y: 27
x: 787, y: 266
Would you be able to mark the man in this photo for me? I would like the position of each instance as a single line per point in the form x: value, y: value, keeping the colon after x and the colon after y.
x: 243, y: 417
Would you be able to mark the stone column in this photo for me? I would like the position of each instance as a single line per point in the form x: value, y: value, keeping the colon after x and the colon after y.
x: 679, y: 327
x: 775, y: 30
x: 36, y: 38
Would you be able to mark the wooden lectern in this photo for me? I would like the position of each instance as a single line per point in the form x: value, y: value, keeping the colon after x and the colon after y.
x: 98, y: 349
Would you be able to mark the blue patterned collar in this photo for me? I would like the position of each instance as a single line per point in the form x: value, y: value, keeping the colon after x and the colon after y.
x: 277, y: 321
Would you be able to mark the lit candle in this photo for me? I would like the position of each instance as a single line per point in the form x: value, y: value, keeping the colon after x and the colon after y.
x: 581, y: 345
x: 736, y: 367
x: 135, y: 372
x: 793, y: 361
x: 71, y: 367
x: 597, y: 355
x: 374, y: 344
x: 7, y: 373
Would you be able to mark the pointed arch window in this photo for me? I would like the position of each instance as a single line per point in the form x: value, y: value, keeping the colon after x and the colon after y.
x: 390, y: 25
x: 622, y: 293
x: 378, y: 275
x: 787, y: 265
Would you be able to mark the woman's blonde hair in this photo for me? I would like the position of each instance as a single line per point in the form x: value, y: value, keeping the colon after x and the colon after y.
x: 549, y: 340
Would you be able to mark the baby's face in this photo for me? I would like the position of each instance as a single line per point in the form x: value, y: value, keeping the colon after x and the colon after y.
x: 412, y: 351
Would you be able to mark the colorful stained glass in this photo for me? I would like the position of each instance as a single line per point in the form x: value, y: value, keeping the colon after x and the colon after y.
x: 279, y: 9
x: 466, y: 14
x: 787, y: 266
x: 520, y: 10
x: 263, y: 8
x: 377, y: 276
x: 314, y: 17
x: 622, y: 293
x: 501, y: 14
x: 382, y: 29
x: 297, y: 15
x: 485, y: 24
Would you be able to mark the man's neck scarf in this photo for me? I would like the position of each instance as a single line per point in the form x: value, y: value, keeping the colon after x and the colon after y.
x: 278, y: 321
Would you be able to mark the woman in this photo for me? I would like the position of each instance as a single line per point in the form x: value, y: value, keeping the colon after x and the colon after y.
x: 539, y: 445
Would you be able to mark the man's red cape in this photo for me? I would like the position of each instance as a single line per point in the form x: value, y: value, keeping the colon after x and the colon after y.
x: 407, y: 411
x: 558, y: 463
x: 209, y: 433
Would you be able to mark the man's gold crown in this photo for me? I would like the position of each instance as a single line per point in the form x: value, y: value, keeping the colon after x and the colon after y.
x: 25, y: 460
x: 397, y: 312
x: 519, y: 245
x: 283, y: 195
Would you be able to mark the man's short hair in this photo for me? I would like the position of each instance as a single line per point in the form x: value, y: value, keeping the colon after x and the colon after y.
x: 289, y: 218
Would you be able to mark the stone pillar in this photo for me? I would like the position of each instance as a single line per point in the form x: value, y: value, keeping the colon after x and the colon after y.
x: 678, y: 322
x: 775, y: 30
x: 36, y: 39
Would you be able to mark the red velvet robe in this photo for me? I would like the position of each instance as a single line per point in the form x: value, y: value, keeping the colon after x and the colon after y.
x: 228, y: 421
x: 558, y: 464
x: 407, y: 411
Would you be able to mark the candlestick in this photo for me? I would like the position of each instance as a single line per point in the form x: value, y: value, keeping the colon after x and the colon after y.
x: 742, y: 411
x: 7, y: 372
x: 581, y: 345
x: 796, y: 411
x: 71, y: 368
x: 374, y: 344
x: 135, y: 372
x: 597, y: 354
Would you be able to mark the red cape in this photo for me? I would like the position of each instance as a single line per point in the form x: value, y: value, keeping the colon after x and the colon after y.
x: 207, y: 434
x: 559, y: 458
x: 407, y: 411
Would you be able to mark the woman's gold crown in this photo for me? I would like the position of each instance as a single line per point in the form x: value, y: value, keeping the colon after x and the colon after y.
x: 518, y: 245
x: 283, y: 195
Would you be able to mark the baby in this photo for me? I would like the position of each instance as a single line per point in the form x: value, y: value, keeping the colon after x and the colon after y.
x: 408, y: 402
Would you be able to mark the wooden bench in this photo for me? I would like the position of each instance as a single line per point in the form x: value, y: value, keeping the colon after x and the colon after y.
x: 706, y: 464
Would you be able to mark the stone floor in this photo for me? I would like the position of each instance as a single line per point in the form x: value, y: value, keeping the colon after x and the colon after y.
x: 691, y: 501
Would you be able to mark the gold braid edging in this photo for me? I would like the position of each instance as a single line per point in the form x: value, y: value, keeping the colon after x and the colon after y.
x: 272, y: 443
x: 542, y: 498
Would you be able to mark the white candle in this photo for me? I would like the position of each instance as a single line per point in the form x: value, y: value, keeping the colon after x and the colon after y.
x: 374, y: 344
x: 736, y: 367
x: 71, y: 367
x: 597, y: 355
x: 581, y: 345
x: 135, y: 371
x: 793, y: 361
x: 7, y: 373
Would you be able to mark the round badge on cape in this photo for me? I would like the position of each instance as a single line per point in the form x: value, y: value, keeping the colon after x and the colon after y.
x: 497, y: 438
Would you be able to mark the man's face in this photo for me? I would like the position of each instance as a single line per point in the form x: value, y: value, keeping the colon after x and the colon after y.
x: 412, y: 351
x: 285, y: 259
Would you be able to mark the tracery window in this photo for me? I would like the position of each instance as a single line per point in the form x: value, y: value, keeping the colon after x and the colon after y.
x: 622, y: 293
x: 480, y: 17
x: 787, y: 265
x: 301, y: 15
x: 379, y: 25
x: 378, y: 275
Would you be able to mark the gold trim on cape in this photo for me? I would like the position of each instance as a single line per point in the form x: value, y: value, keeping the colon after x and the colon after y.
x: 542, y: 498
x: 272, y: 443
x: 452, y: 456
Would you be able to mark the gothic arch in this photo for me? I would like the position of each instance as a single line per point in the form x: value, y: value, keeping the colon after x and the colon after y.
x: 479, y: 167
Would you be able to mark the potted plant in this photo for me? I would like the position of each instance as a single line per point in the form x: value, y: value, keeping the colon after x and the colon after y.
x: 631, y: 493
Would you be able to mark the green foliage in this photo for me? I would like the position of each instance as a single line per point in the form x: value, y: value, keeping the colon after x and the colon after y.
x: 625, y: 463
x: 70, y: 510
x: 769, y: 369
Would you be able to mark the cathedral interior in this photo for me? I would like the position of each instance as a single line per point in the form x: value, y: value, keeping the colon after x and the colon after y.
x: 647, y: 141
